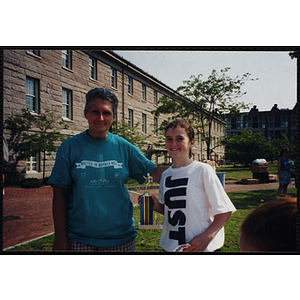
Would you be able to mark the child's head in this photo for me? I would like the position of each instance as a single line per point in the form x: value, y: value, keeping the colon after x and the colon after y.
x: 186, y: 126
x: 270, y: 227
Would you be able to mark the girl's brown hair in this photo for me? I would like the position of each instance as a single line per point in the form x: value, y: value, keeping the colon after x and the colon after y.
x: 185, y: 125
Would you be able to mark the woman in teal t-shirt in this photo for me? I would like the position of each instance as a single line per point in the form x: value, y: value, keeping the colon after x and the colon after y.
x: 92, y: 210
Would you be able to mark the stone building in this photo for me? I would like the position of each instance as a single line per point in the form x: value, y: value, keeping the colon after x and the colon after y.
x: 58, y: 80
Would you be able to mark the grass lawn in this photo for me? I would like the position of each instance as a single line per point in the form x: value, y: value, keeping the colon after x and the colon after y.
x: 237, y: 173
x: 148, y: 240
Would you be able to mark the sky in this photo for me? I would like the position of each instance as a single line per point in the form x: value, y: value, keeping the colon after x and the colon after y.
x: 276, y: 72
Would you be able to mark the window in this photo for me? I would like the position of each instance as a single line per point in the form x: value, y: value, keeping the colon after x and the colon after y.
x: 67, y: 59
x: 143, y: 92
x: 277, y: 121
x: 113, y: 76
x: 32, y: 164
x: 130, y: 86
x: 293, y: 120
x: 155, y: 98
x: 130, y: 118
x: 155, y: 125
x: 67, y: 104
x: 35, y: 52
x: 233, y: 123
x: 144, y: 123
x: 255, y: 122
x: 93, y: 68
x: 32, y: 94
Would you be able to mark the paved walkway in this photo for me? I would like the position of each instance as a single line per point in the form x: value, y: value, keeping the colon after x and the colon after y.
x: 27, y: 213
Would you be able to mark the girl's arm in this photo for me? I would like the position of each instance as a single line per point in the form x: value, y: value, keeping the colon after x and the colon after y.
x: 200, y: 242
x: 160, y: 208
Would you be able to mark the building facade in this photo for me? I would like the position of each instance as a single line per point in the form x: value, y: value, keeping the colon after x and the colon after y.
x: 58, y: 80
x: 272, y: 123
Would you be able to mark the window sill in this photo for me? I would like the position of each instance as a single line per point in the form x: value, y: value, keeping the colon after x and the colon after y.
x: 65, y: 119
x: 95, y: 80
x: 67, y: 69
x: 33, y: 55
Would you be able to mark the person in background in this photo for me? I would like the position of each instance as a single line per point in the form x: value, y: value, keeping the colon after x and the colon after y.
x: 270, y: 227
x: 191, y: 197
x: 284, y: 172
x: 92, y: 210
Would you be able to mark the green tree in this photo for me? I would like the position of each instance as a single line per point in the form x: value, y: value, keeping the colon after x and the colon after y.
x: 280, y: 143
x: 246, y: 146
x: 132, y: 135
x: 33, y: 134
x: 202, y: 102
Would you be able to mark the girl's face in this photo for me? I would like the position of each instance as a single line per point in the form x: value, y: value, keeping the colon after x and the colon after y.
x: 178, y: 143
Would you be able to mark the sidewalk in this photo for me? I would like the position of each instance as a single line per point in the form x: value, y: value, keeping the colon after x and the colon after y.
x: 27, y: 213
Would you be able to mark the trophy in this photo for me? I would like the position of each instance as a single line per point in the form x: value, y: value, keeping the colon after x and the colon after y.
x: 147, y: 208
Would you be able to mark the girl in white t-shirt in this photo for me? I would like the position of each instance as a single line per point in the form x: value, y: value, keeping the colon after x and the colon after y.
x: 191, y: 197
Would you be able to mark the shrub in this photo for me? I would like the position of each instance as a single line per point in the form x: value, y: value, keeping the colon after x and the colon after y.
x: 31, y: 183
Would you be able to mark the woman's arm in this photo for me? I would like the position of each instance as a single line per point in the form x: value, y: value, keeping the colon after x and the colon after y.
x: 59, y: 210
x: 201, y: 241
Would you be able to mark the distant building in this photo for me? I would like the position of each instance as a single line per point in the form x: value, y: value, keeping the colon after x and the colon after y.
x: 58, y: 80
x: 272, y: 123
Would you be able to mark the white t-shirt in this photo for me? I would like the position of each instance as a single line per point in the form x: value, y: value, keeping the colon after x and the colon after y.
x: 192, y: 195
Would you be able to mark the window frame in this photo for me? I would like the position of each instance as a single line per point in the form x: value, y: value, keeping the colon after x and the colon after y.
x: 35, y: 97
x: 130, y: 118
x: 155, y: 101
x: 93, y: 68
x: 144, y: 123
x: 68, y: 105
x: 67, y: 59
x: 130, y: 85
x: 30, y: 163
x: 144, y: 92
x: 113, y: 77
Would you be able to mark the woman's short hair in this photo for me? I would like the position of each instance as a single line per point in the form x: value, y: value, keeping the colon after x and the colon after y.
x: 100, y: 93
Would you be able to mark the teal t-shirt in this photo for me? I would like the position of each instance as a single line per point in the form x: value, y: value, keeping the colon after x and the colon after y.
x: 100, y: 212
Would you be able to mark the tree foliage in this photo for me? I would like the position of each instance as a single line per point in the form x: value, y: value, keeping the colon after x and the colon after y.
x: 245, y: 147
x: 33, y: 134
x: 204, y: 101
x: 132, y: 135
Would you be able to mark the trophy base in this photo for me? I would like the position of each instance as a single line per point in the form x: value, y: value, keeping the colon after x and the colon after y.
x: 154, y: 226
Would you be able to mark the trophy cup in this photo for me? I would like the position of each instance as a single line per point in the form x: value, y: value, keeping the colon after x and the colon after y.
x: 147, y: 208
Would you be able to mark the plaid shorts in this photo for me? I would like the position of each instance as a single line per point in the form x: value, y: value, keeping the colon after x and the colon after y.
x: 127, y: 247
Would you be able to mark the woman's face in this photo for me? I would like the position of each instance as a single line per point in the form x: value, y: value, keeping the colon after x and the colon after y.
x: 100, y: 117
